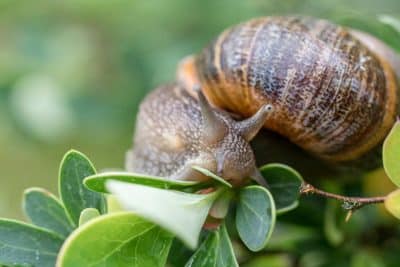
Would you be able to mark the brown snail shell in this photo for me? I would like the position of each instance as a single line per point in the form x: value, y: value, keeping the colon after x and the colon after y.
x: 332, y: 95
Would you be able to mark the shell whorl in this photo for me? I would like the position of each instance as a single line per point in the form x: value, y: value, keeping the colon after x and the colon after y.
x: 333, y: 96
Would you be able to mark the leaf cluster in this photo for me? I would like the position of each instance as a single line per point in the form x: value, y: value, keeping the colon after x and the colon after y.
x: 128, y: 219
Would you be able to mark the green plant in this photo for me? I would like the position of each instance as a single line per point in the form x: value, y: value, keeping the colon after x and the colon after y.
x: 144, y: 219
x: 63, y: 232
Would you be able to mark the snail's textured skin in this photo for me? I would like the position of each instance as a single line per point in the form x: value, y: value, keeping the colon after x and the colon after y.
x: 172, y: 136
x: 333, y: 96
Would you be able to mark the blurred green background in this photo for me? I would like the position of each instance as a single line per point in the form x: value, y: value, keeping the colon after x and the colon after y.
x: 73, y: 72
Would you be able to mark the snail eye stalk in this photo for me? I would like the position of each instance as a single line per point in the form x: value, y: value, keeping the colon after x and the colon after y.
x: 250, y: 127
x: 213, y: 128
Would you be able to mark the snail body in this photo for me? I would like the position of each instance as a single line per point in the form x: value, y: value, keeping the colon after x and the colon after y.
x: 332, y: 95
x: 176, y: 131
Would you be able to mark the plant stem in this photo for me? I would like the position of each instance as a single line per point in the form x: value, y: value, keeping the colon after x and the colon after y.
x: 349, y: 203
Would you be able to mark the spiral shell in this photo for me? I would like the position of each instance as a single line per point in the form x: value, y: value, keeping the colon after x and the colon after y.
x: 332, y: 96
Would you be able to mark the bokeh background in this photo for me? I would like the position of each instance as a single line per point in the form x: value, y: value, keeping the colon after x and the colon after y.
x: 72, y: 73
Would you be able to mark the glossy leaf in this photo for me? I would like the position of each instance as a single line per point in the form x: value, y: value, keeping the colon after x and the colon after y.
x: 46, y: 211
x: 221, y: 205
x: 392, y: 203
x: 27, y: 245
x: 113, y: 205
x: 179, y: 254
x: 216, y: 250
x: 284, y: 184
x: 97, y: 182
x: 182, y: 214
x: 74, y: 168
x: 212, y: 175
x: 391, y: 21
x: 255, y: 216
x: 119, y: 239
x: 391, y: 154
x: 88, y: 215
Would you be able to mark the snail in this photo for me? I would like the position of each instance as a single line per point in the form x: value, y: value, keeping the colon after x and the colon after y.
x: 331, y: 91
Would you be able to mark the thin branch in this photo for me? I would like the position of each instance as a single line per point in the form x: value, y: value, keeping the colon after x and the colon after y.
x: 349, y: 203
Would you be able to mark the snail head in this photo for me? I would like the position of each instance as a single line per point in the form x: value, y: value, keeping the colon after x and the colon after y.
x: 225, y: 143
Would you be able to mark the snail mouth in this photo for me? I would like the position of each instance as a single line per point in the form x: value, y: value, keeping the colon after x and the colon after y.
x: 237, y: 182
x: 235, y: 178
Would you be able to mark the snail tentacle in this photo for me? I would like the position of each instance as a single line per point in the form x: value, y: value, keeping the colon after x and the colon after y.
x: 213, y: 127
x: 251, y: 126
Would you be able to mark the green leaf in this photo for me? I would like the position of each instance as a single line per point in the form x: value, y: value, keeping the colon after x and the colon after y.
x: 221, y: 205
x: 391, y: 154
x: 118, y: 239
x: 87, y: 215
x: 255, y: 216
x: 179, y: 254
x: 391, y: 21
x: 182, y: 214
x: 28, y: 245
x: 333, y: 223
x: 74, y: 168
x: 97, y: 182
x: 392, y: 203
x: 284, y: 184
x: 212, y: 175
x: 45, y: 210
x: 113, y: 205
x: 216, y: 250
